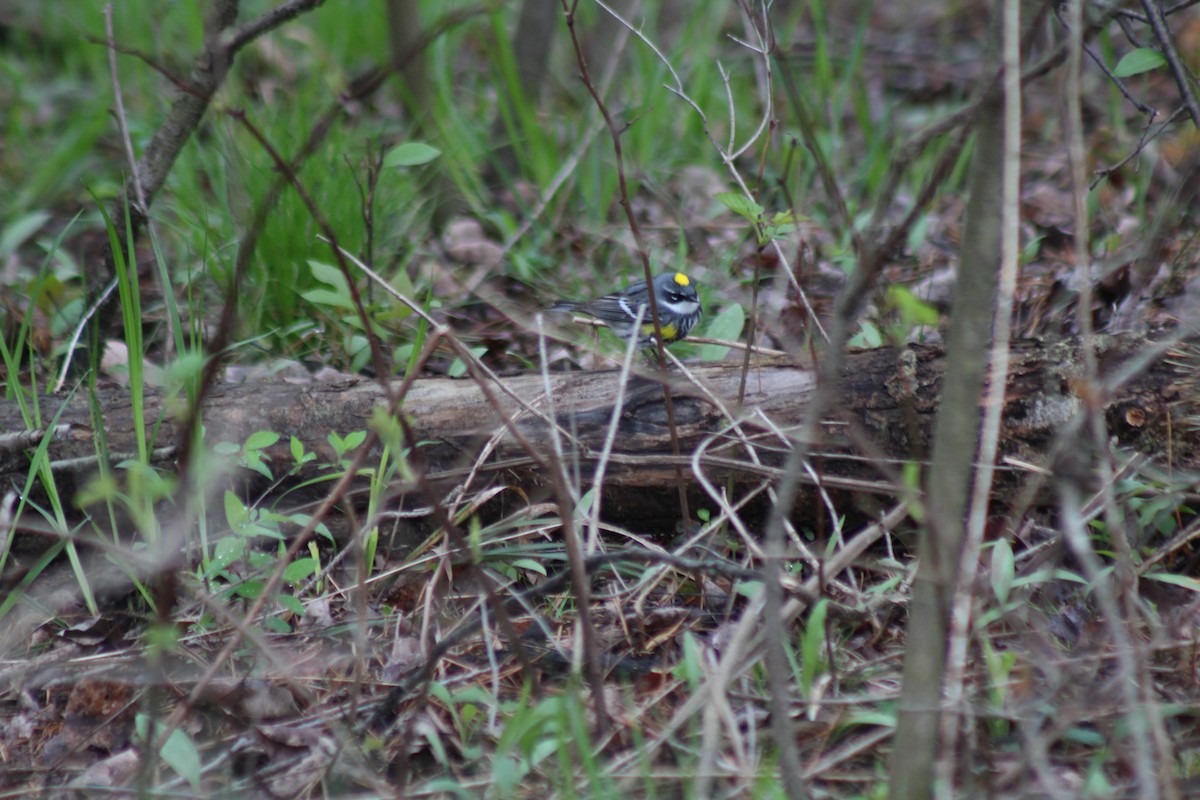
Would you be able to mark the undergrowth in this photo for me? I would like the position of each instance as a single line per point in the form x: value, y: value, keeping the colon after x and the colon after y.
x: 288, y: 615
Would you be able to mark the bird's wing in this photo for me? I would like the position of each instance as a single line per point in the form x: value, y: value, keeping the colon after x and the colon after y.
x: 613, y: 308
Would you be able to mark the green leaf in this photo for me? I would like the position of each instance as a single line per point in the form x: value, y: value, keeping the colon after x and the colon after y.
x: 329, y: 275
x: 179, y: 751
x: 276, y: 625
x: 250, y: 589
x: 16, y: 232
x: 913, y: 310
x: 727, y: 326
x: 584, y: 507
x: 1182, y: 581
x: 185, y: 368
x: 690, y: 667
x: 458, y: 368
x: 236, y: 514
x: 530, y: 564
x: 868, y: 337
x: 100, y: 489
x: 747, y: 588
x: 440, y: 693
x: 1138, y: 61
x: 1084, y: 736
x: 324, y: 297
x: 299, y: 570
x: 507, y: 773
x: 740, y: 205
x: 917, y: 234
x: 228, y: 550
x: 776, y: 232
x: 162, y: 636
x: 813, y: 645
x: 253, y: 460
x: 1004, y: 570
x: 253, y: 531
x: 292, y: 604
x: 261, y: 439
x: 410, y: 154
x: 881, y: 719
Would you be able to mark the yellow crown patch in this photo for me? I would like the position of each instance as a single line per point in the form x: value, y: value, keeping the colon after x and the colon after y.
x: 681, y: 279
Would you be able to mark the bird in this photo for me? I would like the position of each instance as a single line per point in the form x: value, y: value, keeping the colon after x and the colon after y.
x: 678, y: 309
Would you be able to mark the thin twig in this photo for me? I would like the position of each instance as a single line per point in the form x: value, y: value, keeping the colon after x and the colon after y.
x: 80, y: 327
x: 1179, y: 71
x: 762, y: 351
x: 625, y: 201
x: 267, y: 21
x: 676, y: 87
x: 1113, y: 79
x: 186, y: 115
x: 1131, y: 14
x: 381, y: 364
x: 328, y: 503
x: 571, y: 163
x: 1113, y: 597
x: 610, y: 436
x: 1147, y: 136
x: 122, y: 123
x: 746, y: 640
x: 484, y: 377
x: 968, y: 562
x: 486, y: 583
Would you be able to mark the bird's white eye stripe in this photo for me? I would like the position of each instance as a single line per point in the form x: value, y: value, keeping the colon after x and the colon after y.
x: 683, y: 308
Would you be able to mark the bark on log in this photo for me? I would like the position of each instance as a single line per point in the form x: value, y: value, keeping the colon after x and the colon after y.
x: 891, y: 394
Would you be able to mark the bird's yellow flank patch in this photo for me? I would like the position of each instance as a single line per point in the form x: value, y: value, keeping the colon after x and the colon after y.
x: 681, y: 279
x: 669, y: 331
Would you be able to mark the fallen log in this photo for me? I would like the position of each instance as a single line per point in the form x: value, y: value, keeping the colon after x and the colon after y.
x: 888, y: 396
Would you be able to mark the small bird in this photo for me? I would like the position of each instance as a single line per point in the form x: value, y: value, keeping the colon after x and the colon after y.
x: 678, y: 309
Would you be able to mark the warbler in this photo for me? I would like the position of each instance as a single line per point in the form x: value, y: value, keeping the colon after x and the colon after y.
x: 678, y: 309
